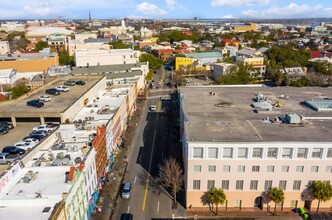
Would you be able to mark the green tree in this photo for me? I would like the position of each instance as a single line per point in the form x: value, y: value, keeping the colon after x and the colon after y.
x: 154, y: 62
x: 216, y: 197
x: 149, y: 76
x: 64, y: 59
x: 41, y: 45
x: 321, y: 191
x: 119, y: 45
x: 18, y: 90
x: 286, y: 56
x: 277, y: 195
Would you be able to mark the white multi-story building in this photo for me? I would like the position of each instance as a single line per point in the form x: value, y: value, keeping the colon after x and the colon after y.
x: 95, y: 57
x: 227, y: 145
x: 4, y: 47
x: 8, y: 76
x: 12, y: 26
x: 220, y: 69
x: 82, y: 44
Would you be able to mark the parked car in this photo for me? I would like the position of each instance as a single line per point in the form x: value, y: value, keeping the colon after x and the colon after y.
x: 125, y: 192
x: 47, y: 127
x: 52, y: 91
x: 70, y: 83
x: 39, y: 137
x: 13, y: 150
x: 80, y: 82
x: 6, y: 158
x: 62, y: 88
x: 6, y: 124
x: 31, y: 140
x: 44, y: 98
x: 25, y: 145
x: 40, y: 132
x: 3, y: 130
x: 35, y: 103
x: 127, y: 216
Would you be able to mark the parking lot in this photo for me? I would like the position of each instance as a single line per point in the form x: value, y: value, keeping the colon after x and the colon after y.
x: 58, y: 103
x: 17, y: 134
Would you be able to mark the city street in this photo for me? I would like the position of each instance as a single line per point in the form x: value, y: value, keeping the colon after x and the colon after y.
x: 153, y: 142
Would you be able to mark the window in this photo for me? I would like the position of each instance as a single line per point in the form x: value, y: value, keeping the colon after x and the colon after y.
x: 299, y: 169
x: 253, y: 184
x: 270, y: 169
x: 242, y: 152
x: 227, y: 168
x: 197, y: 168
x: 268, y: 184
x: 196, y: 184
x: 282, y: 184
x: 210, y: 184
x: 241, y: 168
x: 225, y: 184
x: 329, y: 169
x: 314, y: 169
x: 198, y: 152
x: 302, y: 153
x: 316, y: 153
x: 329, y: 153
x: 239, y: 185
x: 257, y: 152
x: 272, y: 152
x: 327, y: 181
x: 237, y: 203
x: 212, y: 168
x: 287, y: 153
x: 228, y: 153
x: 213, y: 152
x: 255, y: 169
x: 310, y: 183
x: 285, y: 169
x: 297, y: 185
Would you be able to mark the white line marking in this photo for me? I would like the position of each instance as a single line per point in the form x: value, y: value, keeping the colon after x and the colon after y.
x: 128, y: 209
x: 135, y: 179
x: 173, y: 216
x: 158, y: 207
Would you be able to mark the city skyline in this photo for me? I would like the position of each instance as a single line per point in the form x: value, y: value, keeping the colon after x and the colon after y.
x: 102, y: 9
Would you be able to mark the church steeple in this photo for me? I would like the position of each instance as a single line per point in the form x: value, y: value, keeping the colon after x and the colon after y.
x: 89, y: 17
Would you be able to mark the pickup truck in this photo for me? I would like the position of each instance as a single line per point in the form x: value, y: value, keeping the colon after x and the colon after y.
x: 6, y: 158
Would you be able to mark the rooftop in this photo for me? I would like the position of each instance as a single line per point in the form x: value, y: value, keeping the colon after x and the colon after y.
x: 228, y: 116
x: 124, y: 68
x: 203, y: 55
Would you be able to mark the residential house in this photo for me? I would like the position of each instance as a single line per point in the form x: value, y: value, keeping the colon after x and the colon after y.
x: 8, y: 76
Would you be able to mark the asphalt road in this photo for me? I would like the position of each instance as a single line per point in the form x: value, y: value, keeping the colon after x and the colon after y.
x: 151, y: 144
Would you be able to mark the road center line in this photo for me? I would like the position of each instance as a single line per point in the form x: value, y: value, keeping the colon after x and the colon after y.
x: 149, y: 169
x: 135, y: 179
x: 128, y: 209
x: 158, y: 207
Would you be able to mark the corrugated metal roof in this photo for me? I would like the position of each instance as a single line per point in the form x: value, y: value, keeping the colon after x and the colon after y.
x: 203, y: 55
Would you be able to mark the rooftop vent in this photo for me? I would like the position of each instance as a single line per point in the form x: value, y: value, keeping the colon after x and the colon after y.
x: 292, y: 118
x: 212, y: 93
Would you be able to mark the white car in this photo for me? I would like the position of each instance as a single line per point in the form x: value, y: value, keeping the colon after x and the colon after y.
x: 31, y: 140
x: 43, y: 127
x: 44, y: 98
x: 25, y: 145
x: 62, y: 88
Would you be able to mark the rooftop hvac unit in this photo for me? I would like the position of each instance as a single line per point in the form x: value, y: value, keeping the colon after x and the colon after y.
x: 292, y: 118
x: 78, y: 160
x: 30, y: 176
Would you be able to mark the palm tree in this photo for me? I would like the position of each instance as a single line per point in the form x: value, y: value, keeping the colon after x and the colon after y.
x: 321, y: 191
x: 277, y: 196
x: 217, y: 196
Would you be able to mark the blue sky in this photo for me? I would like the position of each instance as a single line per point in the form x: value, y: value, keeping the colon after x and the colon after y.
x: 105, y: 9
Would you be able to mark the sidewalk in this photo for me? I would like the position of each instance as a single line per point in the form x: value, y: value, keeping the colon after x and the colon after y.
x: 111, y: 190
x: 254, y: 213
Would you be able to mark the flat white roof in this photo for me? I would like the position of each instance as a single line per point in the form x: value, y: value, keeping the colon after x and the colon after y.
x: 26, y: 212
x: 48, y: 183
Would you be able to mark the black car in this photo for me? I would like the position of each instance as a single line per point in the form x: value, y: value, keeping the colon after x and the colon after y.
x: 52, y: 91
x: 6, y: 124
x: 35, y: 103
x: 13, y: 150
x: 127, y: 216
x: 3, y: 130
x: 39, y: 137
x: 80, y: 82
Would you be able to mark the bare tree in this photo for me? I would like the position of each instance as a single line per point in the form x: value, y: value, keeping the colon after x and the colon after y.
x: 170, y: 175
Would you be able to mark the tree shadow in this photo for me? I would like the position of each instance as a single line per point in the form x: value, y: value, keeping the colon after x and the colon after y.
x: 205, y: 201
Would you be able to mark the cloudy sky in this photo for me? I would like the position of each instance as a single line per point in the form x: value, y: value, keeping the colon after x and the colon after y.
x: 74, y: 9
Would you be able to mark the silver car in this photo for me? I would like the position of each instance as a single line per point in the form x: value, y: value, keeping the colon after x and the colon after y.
x: 125, y: 193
